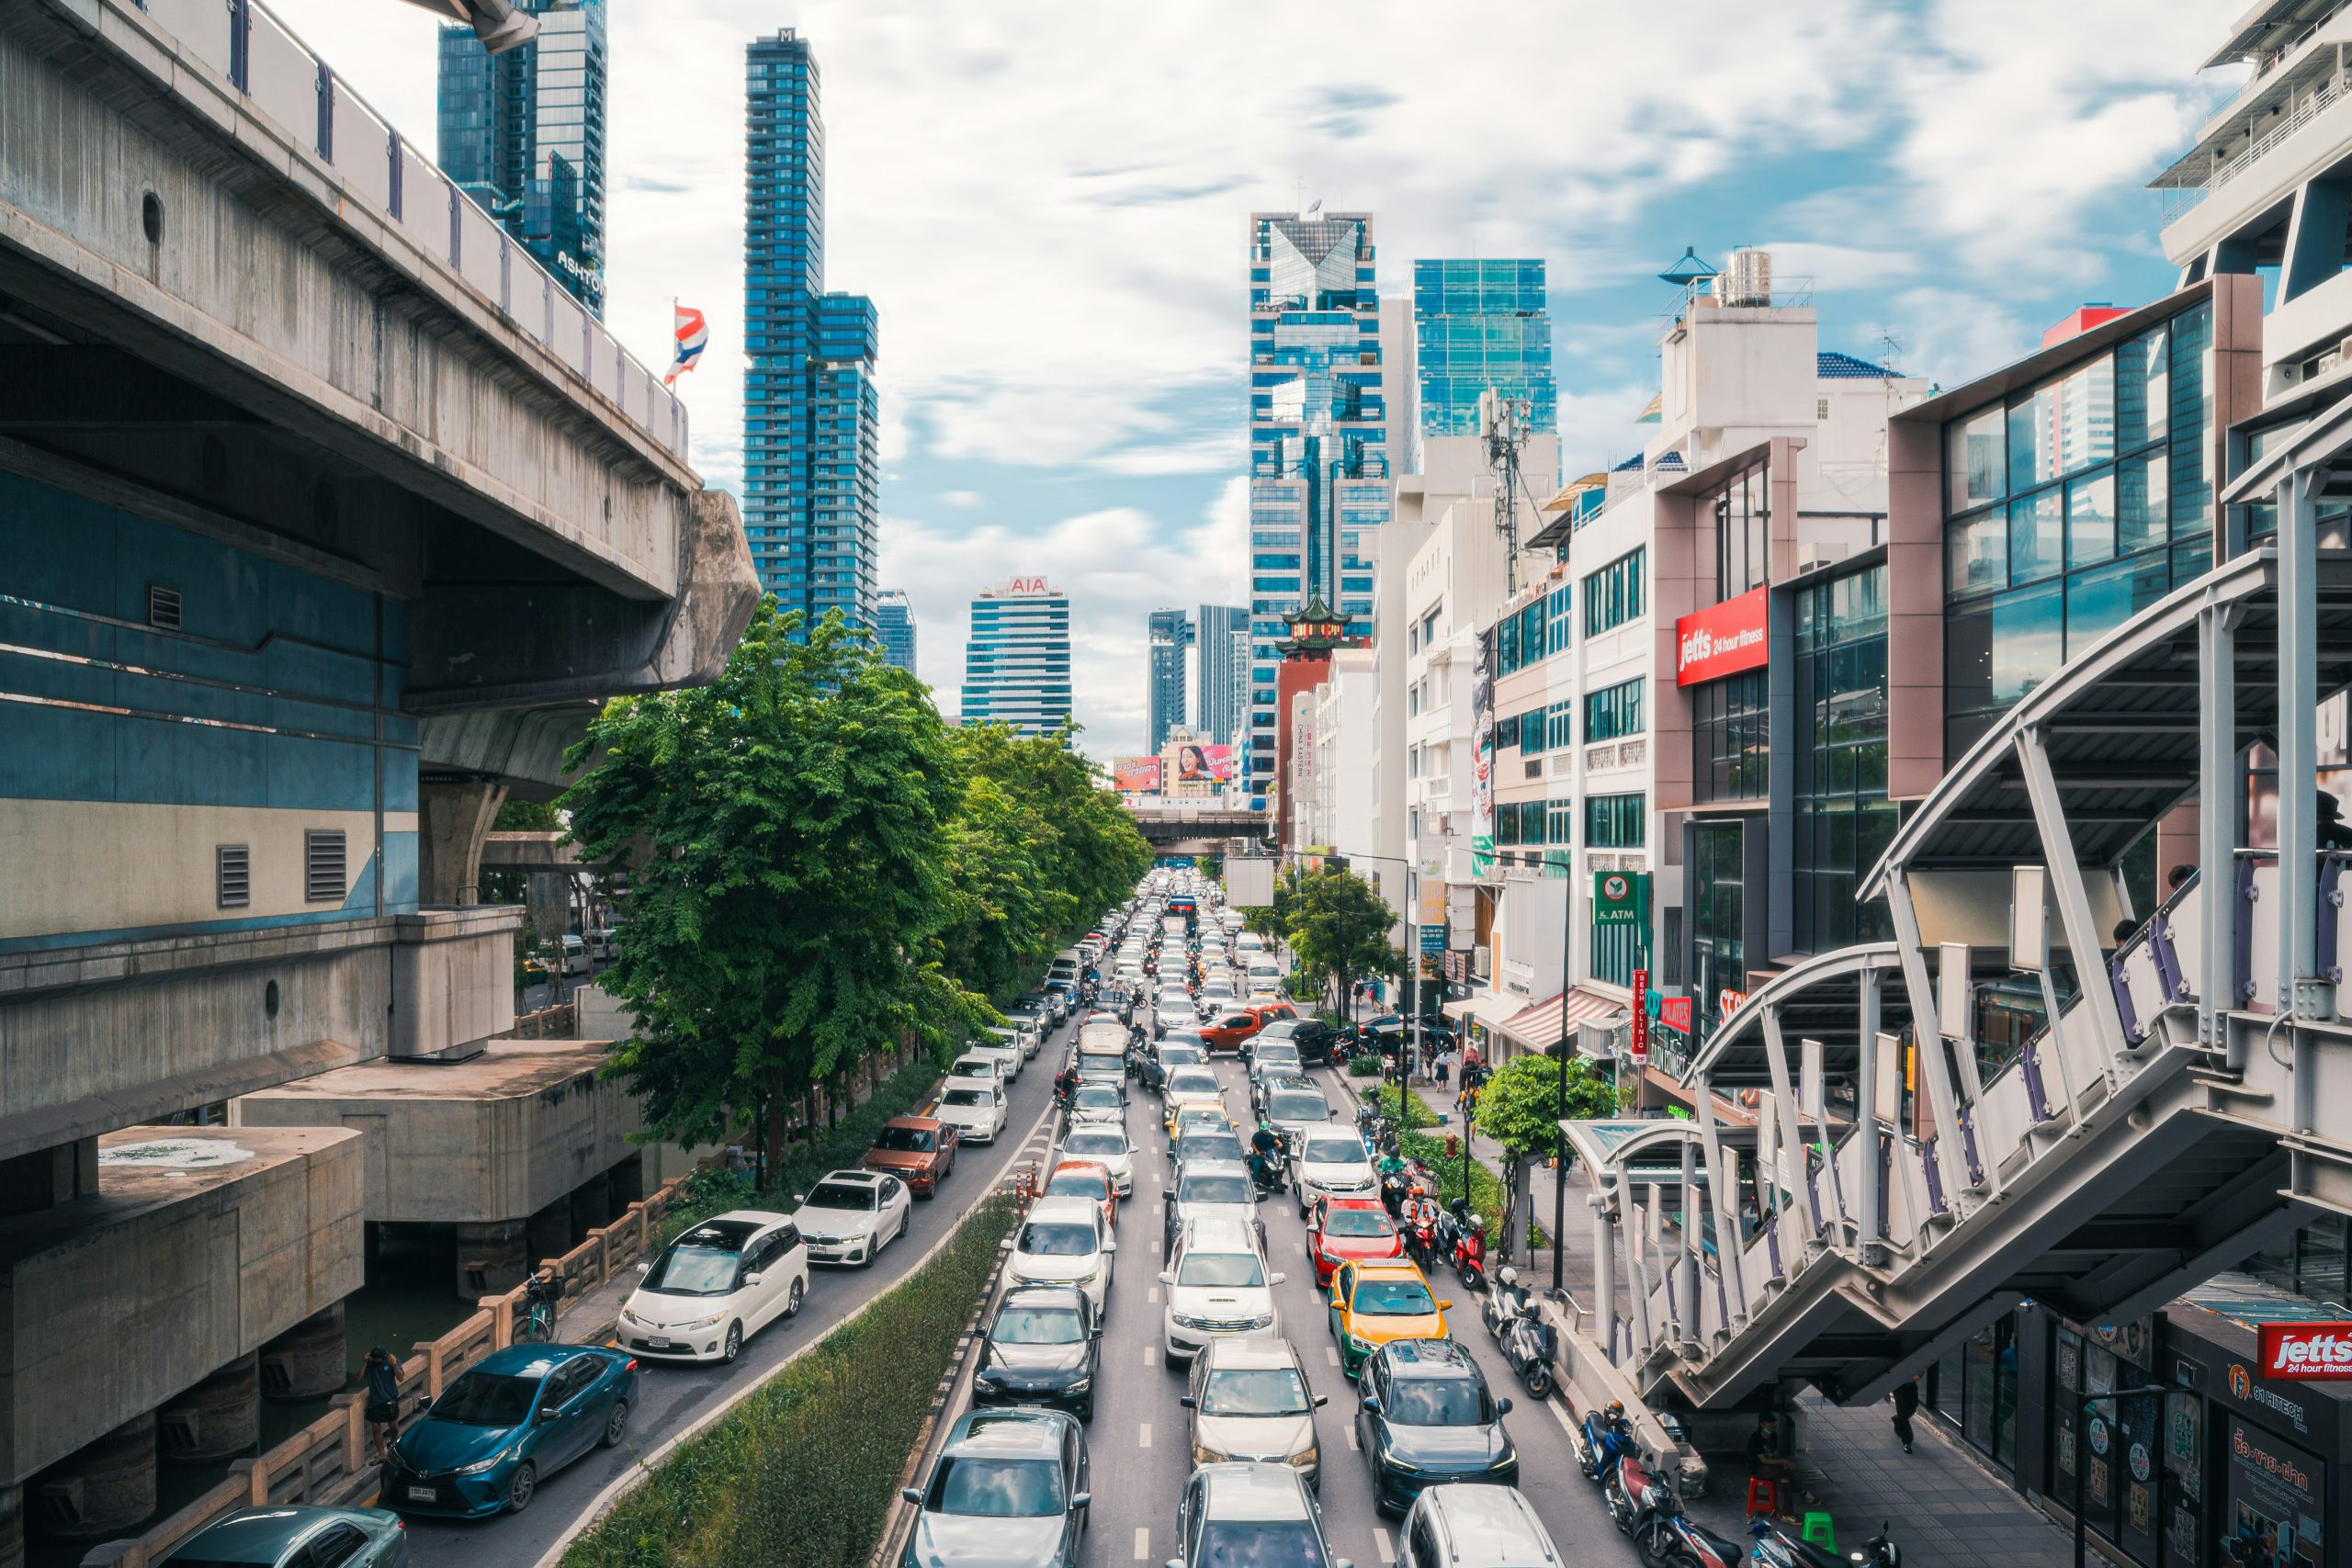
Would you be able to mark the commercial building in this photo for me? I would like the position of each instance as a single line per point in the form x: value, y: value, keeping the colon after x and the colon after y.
x: 1318, y: 442
x: 1016, y: 661
x: 810, y: 410
x: 1220, y: 700
x: 1170, y: 633
x: 1331, y: 763
x: 894, y: 624
x: 1481, y: 326
x: 523, y: 133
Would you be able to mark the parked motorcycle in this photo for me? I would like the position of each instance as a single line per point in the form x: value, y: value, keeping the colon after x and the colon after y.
x: 1600, y: 1440
x: 1633, y: 1491
x: 1776, y: 1547
x: 1527, y: 1342
x: 1469, y: 1254
x: 1668, y: 1538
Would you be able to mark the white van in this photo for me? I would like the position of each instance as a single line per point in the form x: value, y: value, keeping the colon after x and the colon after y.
x: 1066, y: 965
x: 575, y: 956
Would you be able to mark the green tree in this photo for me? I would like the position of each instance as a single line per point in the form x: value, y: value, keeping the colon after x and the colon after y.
x: 525, y: 816
x: 1521, y: 1106
x: 1339, y: 930
x: 1210, y: 866
x: 793, y: 824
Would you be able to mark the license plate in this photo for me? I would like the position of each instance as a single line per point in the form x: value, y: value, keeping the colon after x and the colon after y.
x: 657, y: 1344
x: 422, y: 1495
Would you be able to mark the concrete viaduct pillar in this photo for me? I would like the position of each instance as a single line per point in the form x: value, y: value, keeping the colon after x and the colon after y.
x: 452, y: 820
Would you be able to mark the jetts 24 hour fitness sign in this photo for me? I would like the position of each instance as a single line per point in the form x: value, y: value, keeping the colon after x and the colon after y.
x: 2307, y: 1351
x: 1723, y: 639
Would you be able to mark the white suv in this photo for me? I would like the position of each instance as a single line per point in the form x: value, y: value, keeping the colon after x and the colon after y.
x: 1064, y: 1241
x: 1475, y: 1527
x: 1218, y: 1284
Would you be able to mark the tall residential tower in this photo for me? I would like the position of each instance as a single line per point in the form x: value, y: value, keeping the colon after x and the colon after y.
x: 1223, y: 694
x: 1171, y: 634
x: 894, y: 625
x: 1318, y: 441
x: 1016, y: 661
x: 1482, y: 324
x: 810, y: 411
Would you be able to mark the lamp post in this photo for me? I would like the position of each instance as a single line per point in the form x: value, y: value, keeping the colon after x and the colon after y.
x: 1560, y: 1123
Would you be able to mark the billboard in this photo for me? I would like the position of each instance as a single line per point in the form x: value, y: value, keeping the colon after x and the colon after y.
x: 2307, y: 1351
x: 1249, y: 882
x: 1136, y: 775
x: 1621, y: 898
x: 1196, y: 763
x: 1723, y: 639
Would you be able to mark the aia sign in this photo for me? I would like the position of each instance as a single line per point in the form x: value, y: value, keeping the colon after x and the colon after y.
x: 1724, y: 640
x: 2305, y: 1351
x: 1027, y: 585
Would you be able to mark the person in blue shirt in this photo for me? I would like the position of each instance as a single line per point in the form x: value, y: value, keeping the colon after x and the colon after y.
x: 382, y: 1375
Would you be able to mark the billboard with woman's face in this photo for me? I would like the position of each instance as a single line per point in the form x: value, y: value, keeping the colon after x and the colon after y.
x: 1197, y: 763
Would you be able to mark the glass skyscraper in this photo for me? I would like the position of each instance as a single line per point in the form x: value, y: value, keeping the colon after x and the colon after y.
x: 810, y: 413
x: 1224, y: 687
x: 1318, y: 440
x: 1016, y: 663
x: 523, y: 133
x: 1171, y: 634
x: 894, y: 625
x: 1478, y: 324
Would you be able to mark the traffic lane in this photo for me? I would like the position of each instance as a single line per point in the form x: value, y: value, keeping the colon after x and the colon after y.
x: 671, y: 1397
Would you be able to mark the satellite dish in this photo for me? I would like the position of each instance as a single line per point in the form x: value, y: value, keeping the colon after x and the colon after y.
x: 1688, y: 269
x: 1315, y: 207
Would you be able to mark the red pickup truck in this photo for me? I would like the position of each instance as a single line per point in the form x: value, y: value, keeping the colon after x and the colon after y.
x: 1228, y: 1028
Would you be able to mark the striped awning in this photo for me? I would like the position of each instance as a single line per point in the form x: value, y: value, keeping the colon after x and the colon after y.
x: 1539, y: 1028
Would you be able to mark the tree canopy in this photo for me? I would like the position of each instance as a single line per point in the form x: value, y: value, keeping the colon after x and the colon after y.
x: 1519, y: 1107
x: 1336, y: 924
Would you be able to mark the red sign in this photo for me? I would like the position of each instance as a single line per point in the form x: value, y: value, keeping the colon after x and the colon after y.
x: 1639, y: 1040
x: 1674, y: 1013
x: 1727, y: 1002
x: 1027, y: 585
x: 1723, y: 639
x: 2307, y: 1353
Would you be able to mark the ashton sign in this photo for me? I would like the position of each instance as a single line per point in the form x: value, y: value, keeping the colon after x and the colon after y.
x: 1723, y: 639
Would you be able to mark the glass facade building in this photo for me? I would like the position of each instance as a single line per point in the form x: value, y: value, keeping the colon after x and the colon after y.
x: 1318, y: 442
x: 1224, y: 686
x: 1016, y: 663
x: 523, y: 133
x: 1478, y: 324
x: 810, y: 410
x: 894, y: 627
x: 1171, y: 634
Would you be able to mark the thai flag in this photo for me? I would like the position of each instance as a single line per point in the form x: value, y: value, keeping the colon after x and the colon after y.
x: 693, y: 333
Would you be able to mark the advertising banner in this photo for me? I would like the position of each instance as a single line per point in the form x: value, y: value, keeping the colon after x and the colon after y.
x: 1432, y: 941
x: 1136, y: 775
x: 1674, y: 1013
x: 1723, y: 639
x: 2307, y: 1353
x: 1204, y: 764
x: 1482, y: 756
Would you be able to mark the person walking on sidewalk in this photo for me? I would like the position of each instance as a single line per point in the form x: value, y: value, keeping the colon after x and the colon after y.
x: 1906, y: 1402
x: 382, y: 1375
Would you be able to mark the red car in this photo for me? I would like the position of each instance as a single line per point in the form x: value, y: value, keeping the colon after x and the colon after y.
x: 1349, y: 1230
x: 1086, y: 1179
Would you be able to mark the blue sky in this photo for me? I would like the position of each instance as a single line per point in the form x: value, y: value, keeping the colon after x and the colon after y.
x: 1048, y: 201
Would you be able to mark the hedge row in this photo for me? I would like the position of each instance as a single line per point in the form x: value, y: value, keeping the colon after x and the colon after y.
x: 806, y: 1469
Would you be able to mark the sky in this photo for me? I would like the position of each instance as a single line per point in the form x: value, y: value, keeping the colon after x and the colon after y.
x: 1048, y: 202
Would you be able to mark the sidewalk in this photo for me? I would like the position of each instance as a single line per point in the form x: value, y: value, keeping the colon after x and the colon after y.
x: 1938, y: 1505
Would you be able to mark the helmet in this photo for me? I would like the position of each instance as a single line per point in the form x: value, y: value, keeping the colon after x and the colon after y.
x: 1616, y: 1408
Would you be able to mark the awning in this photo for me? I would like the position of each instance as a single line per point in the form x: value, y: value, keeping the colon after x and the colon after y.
x: 1485, y: 1009
x: 1538, y: 1028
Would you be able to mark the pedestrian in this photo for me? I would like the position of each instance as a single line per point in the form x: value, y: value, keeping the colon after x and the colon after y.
x: 380, y: 1373
x: 1907, y: 1401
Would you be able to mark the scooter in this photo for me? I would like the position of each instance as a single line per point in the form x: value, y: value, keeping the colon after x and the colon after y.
x: 1267, y: 1171
x: 1599, y: 1441
x: 1527, y: 1342
x: 1635, y: 1490
x: 1469, y: 1254
x: 1776, y: 1547
x: 1422, y: 1244
x: 1668, y: 1538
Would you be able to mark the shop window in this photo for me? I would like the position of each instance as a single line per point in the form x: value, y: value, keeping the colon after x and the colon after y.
x: 1731, y: 737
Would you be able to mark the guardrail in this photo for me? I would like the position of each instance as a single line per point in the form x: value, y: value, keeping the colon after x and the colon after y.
x: 330, y: 1464
x: 561, y: 1021
x: 241, y: 43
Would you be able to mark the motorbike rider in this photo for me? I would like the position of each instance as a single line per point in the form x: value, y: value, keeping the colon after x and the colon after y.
x: 1420, y: 1210
x: 1265, y: 1155
x: 1065, y: 1085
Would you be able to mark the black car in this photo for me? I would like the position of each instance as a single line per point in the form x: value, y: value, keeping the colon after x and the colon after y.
x: 1043, y: 1347
x: 1314, y: 1038
x: 1427, y: 1418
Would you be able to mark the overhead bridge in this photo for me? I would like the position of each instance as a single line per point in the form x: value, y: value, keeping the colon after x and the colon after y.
x: 2191, y: 1105
x: 1187, y: 831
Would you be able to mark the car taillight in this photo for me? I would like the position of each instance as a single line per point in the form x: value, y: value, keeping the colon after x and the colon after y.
x: 632, y: 1365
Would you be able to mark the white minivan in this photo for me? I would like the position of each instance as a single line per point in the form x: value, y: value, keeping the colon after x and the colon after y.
x: 1219, y: 1284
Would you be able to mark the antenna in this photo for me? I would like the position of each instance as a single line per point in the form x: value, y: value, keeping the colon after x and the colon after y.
x: 1298, y: 197
x: 1503, y: 422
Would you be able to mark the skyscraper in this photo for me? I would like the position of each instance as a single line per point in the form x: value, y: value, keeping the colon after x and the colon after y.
x: 1480, y: 324
x: 1218, y: 707
x: 1016, y: 663
x: 894, y: 624
x: 811, y: 413
x: 1318, y: 440
x: 1171, y: 634
x: 523, y: 133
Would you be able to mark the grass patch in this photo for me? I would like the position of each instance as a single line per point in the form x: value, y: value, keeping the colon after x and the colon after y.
x: 1412, y: 1115
x: 805, y: 1470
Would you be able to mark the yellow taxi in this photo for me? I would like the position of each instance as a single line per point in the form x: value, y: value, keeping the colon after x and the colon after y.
x: 1192, y: 1089
x: 1374, y: 1303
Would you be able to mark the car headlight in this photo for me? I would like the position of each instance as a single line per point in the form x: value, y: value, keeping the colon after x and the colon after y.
x: 1398, y: 1465
x: 492, y: 1462
x: 710, y: 1321
x: 1365, y: 1345
x: 629, y: 1316
x: 1080, y: 1385
x: 1314, y: 1455
x: 1263, y: 1320
x: 1184, y: 1320
x: 1203, y: 1454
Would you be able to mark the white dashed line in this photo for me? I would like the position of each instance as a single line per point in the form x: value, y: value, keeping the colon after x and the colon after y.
x: 1560, y: 1414
x: 1143, y: 1542
x: 1387, y: 1547
x: 1152, y: 1294
x: 1143, y: 1436
x: 1332, y: 1351
x: 1354, y: 1447
x: 1150, y: 1355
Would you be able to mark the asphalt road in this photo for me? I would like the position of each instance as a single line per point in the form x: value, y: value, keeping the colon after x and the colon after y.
x: 674, y: 1397
x: 1141, y: 1453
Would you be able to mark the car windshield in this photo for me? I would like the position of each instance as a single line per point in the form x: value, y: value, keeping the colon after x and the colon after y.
x: 1038, y: 1326
x: 1256, y: 1391
x: 1192, y: 1080
x: 1210, y: 1143
x: 997, y: 1488
x: 1394, y: 1298
x: 1047, y: 1239
x: 1094, y: 1143
x: 486, y: 1399
x: 974, y: 1068
x: 906, y: 1140
x: 969, y: 1096
x: 1436, y: 1402
x: 1295, y: 1107
x: 1259, y: 1543
x: 695, y: 1266
x: 1357, y: 1222
x: 1099, y: 1095
x: 1231, y: 1270
x: 1341, y: 1150
x: 1212, y: 1187
x: 1077, y: 1184
x: 842, y: 1195
x: 1175, y: 1054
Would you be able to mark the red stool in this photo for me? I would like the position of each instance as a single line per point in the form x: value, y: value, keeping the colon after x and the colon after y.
x: 1763, y: 1497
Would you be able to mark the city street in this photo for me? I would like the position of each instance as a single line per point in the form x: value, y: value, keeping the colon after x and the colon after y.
x: 674, y: 1397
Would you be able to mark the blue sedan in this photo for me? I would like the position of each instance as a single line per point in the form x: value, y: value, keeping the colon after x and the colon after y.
x: 515, y: 1418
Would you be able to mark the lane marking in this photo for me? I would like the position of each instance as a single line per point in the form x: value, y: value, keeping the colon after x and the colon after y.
x: 1150, y: 1355
x: 1387, y: 1547
x: 1143, y: 1436
x: 1560, y: 1413
x: 1354, y: 1447
x: 1152, y: 1294
x: 1332, y: 1351
x: 1143, y: 1542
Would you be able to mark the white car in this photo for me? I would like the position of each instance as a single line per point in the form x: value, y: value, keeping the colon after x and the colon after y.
x: 974, y: 1109
x: 1024, y: 1040
x: 1098, y: 1102
x: 1005, y: 1048
x: 716, y: 1286
x: 1329, y: 1162
x: 1065, y: 1241
x: 1105, y: 1141
x: 850, y: 1215
x: 981, y: 1067
x: 1218, y: 1284
x: 1248, y: 941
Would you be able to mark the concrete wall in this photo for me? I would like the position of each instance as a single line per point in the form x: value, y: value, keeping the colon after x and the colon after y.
x: 111, y: 1305
x: 453, y: 980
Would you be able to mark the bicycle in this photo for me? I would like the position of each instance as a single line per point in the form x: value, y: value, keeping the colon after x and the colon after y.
x: 540, y: 1296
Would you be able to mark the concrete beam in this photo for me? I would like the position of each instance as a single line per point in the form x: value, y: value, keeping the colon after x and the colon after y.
x: 453, y: 820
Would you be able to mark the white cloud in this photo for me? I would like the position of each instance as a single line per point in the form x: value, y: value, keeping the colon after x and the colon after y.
x: 963, y: 499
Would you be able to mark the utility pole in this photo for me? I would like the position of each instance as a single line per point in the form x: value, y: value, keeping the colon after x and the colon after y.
x: 1503, y: 422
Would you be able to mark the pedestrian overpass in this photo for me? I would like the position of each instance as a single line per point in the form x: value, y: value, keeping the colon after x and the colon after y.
x: 2191, y: 1105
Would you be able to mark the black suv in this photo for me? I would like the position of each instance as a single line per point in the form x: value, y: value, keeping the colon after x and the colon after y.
x: 1314, y: 1038
x: 1427, y: 1418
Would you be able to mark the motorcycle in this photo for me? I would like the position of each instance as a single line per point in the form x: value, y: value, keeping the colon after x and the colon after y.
x: 1669, y: 1537
x: 1776, y: 1547
x: 1469, y: 1254
x: 1633, y: 1491
x: 1422, y: 1244
x: 1599, y: 1441
x: 1527, y: 1342
x: 1267, y: 1172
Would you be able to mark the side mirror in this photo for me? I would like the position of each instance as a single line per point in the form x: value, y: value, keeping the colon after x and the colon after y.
x: 799, y: 1198
x: 1005, y: 1246
x: 1167, y: 1276
x: 646, y: 1267
x: 753, y: 1281
x: 1502, y: 1405
x: 1110, y: 1244
x: 1081, y: 1499
x: 1278, y: 1276
x: 1097, y: 1331
x: 423, y: 1403
x: 912, y: 1494
x: 1372, y: 1404
x: 1187, y: 1400
x: 1445, y: 1306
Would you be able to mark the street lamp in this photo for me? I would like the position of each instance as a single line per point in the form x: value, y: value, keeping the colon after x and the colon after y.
x: 1412, y: 975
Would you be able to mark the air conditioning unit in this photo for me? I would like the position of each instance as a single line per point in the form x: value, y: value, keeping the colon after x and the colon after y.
x: 1815, y: 554
x: 1482, y: 962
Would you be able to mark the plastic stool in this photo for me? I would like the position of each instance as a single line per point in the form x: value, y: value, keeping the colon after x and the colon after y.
x: 1819, y: 1530
x: 1763, y: 1497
